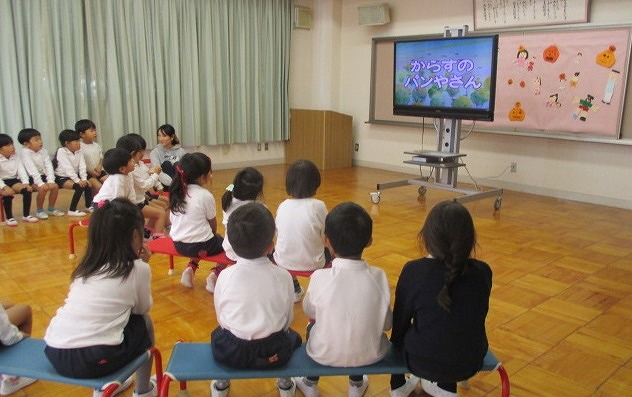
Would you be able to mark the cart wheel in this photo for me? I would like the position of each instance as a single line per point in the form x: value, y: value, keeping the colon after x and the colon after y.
x: 375, y: 197
x: 422, y: 190
x: 498, y: 203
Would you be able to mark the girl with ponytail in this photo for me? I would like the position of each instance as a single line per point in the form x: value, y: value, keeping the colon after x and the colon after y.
x: 193, y: 214
x: 441, y: 302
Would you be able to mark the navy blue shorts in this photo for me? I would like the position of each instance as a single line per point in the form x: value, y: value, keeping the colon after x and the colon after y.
x: 100, y: 360
x: 201, y: 249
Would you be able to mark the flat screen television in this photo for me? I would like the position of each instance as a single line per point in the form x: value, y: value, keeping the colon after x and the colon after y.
x: 446, y: 77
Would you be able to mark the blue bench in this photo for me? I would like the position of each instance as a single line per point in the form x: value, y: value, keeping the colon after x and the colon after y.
x: 27, y: 359
x: 194, y: 361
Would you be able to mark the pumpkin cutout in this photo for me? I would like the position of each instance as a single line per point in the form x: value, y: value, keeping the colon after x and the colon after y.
x: 606, y: 58
x: 517, y: 113
x: 551, y: 53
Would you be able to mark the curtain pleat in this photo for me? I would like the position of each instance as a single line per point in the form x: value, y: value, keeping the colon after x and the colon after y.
x: 215, y: 69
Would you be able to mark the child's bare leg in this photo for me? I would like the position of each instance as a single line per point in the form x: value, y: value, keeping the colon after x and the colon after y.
x: 143, y: 374
x: 156, y: 218
x: 41, y: 195
x: 95, y: 185
x: 52, y: 195
x: 21, y: 316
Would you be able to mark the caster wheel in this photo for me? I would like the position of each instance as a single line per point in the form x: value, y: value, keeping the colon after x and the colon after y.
x: 422, y: 190
x: 498, y: 203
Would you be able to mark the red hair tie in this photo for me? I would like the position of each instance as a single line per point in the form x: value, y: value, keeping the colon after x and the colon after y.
x: 183, y: 178
x: 102, y: 203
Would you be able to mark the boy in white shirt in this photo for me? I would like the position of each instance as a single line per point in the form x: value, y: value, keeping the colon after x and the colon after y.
x: 70, y: 171
x: 13, y: 180
x: 92, y: 154
x: 254, y: 302
x: 350, y: 303
x: 118, y: 163
x: 40, y: 170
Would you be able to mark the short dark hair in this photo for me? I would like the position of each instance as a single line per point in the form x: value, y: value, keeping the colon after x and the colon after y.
x: 348, y: 228
x: 168, y: 130
x: 302, y: 179
x: 26, y: 134
x: 84, y: 125
x: 250, y: 230
x: 5, y: 140
x: 140, y: 139
x: 68, y: 136
x: 129, y: 144
x: 114, y: 159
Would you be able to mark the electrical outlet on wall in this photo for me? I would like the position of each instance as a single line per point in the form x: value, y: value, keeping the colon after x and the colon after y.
x: 356, y: 147
x: 513, y: 167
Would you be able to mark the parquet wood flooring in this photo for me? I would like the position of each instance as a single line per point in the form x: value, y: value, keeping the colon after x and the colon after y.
x: 561, y: 309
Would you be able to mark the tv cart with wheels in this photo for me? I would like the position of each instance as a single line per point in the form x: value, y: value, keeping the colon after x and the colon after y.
x: 445, y: 161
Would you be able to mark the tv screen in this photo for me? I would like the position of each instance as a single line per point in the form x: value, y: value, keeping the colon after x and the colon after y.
x: 447, y: 77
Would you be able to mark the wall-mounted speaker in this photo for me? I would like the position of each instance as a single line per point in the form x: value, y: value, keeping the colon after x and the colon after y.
x: 374, y: 14
x: 302, y: 17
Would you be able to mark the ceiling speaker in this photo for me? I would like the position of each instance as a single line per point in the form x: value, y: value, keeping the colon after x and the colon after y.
x: 302, y: 17
x: 375, y: 14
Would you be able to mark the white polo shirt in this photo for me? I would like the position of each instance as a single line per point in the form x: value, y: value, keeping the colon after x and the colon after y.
x: 38, y: 164
x: 300, y: 229
x: 117, y: 185
x: 12, y: 167
x: 92, y: 153
x: 234, y: 204
x: 71, y: 165
x: 351, y: 305
x: 192, y: 226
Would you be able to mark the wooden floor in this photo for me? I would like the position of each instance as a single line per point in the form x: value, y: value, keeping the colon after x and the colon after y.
x: 561, y: 309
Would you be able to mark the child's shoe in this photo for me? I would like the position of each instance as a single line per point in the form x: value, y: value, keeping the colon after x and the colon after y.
x: 211, y: 280
x: 434, y: 390
x: 406, y: 388
x: 152, y: 393
x: 90, y: 209
x: 187, y: 277
x: 11, y: 222
x: 76, y: 213
x: 298, y: 295
x: 124, y: 386
x: 30, y: 219
x: 358, y: 389
x: 56, y: 212
x: 215, y: 392
x: 291, y: 392
x: 307, y: 387
x: 11, y: 384
x: 41, y: 214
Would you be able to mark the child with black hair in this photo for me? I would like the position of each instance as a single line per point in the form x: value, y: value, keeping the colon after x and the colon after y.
x: 151, y: 176
x: 167, y: 153
x: 16, y: 323
x: 14, y: 180
x: 104, y: 322
x: 246, y: 188
x: 118, y: 163
x: 254, y: 302
x: 70, y: 171
x: 92, y: 154
x: 351, y: 297
x: 40, y: 170
x: 441, y: 302
x: 300, y: 223
x: 157, y: 217
x: 193, y: 214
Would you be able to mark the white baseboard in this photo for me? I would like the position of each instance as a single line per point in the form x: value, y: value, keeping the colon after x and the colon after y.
x: 537, y: 190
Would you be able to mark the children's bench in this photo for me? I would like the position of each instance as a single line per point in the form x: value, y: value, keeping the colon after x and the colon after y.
x: 164, y: 245
x: 71, y: 235
x: 27, y: 359
x: 194, y: 361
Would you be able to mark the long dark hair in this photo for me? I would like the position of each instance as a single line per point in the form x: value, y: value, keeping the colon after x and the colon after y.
x: 449, y: 236
x: 189, y: 169
x: 247, y: 185
x: 110, y: 236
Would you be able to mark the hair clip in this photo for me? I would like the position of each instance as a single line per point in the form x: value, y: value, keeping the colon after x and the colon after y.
x: 102, y: 203
x: 230, y: 187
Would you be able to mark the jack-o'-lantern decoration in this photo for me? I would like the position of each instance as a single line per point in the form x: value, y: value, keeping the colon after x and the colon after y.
x: 551, y: 53
x: 517, y: 113
x: 606, y: 58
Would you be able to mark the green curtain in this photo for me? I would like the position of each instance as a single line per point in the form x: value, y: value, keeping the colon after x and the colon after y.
x: 215, y: 69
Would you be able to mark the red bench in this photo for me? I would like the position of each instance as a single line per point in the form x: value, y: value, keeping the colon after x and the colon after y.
x: 164, y: 245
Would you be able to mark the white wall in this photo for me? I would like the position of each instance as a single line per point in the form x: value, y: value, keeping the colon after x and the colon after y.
x: 592, y: 172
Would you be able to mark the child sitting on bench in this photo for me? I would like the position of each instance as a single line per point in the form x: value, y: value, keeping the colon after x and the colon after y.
x: 16, y: 322
x: 254, y: 302
x: 104, y: 323
x: 350, y: 303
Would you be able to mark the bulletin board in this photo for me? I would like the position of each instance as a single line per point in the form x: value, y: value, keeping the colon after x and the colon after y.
x: 497, y: 14
x: 557, y: 83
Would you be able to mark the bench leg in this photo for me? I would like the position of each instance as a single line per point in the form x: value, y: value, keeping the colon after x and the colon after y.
x: 183, y: 392
x: 504, y: 381
x: 71, y: 240
x: 171, y: 267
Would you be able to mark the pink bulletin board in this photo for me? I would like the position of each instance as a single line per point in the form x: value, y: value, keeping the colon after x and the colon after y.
x: 568, y: 82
